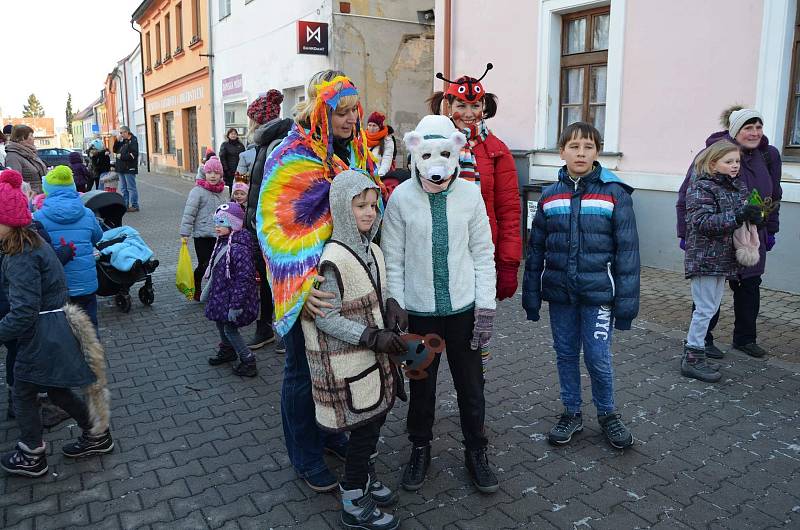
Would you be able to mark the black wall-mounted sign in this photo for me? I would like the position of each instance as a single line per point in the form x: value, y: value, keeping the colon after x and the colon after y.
x: 312, y: 37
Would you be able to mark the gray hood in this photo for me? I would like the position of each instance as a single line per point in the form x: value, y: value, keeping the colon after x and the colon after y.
x: 345, y: 186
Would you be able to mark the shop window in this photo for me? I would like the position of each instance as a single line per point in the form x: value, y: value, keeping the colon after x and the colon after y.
x: 584, y: 67
x: 224, y: 8
x: 178, y: 27
x: 167, y: 37
x: 236, y: 116
x: 169, y: 132
x: 156, y: 129
x: 792, y: 143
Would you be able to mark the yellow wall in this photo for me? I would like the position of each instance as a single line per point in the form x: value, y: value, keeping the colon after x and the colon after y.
x: 180, y: 82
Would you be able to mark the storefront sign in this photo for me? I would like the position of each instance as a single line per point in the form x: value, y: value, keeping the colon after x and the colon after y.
x: 187, y: 96
x: 312, y: 37
x: 232, y: 85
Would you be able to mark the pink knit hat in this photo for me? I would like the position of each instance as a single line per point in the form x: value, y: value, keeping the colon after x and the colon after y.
x: 14, y: 210
x: 213, y: 166
x: 238, y: 185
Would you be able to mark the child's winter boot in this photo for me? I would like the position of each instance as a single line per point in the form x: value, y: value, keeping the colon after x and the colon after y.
x: 694, y: 365
x: 89, y: 444
x: 360, y: 510
x: 25, y: 461
x: 382, y: 494
x: 246, y: 369
x: 225, y: 354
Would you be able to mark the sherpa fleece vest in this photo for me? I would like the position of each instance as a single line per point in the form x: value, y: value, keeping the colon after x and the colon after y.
x: 351, y: 385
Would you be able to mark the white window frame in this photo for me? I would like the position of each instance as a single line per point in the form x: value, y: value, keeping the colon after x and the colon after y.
x: 775, y: 67
x: 224, y: 9
x: 548, y: 68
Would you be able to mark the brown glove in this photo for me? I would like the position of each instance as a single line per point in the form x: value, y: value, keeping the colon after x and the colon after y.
x: 382, y: 341
x: 396, y: 316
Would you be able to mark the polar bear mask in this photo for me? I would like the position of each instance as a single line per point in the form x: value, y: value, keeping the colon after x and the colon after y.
x: 435, y: 146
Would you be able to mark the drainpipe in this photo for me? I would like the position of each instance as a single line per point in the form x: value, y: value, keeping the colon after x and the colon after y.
x: 210, y: 56
x: 448, y: 15
x: 144, y: 99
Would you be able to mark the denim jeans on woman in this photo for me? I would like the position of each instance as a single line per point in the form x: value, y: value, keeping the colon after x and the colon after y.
x: 591, y: 327
x: 305, y: 441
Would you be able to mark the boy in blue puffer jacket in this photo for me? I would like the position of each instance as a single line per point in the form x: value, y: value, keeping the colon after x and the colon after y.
x: 583, y: 258
x: 66, y: 219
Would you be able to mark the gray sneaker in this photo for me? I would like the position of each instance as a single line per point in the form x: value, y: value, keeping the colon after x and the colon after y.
x: 617, y: 434
x: 568, y: 424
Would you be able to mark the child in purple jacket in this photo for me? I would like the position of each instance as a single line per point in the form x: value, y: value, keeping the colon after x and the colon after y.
x: 232, y: 296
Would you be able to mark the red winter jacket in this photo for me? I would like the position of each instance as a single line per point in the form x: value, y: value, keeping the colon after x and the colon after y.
x: 500, y: 190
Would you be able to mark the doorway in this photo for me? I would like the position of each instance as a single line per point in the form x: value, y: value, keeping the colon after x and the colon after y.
x: 192, y: 153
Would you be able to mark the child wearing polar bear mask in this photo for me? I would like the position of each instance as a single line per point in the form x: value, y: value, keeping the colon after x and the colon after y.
x: 440, y: 268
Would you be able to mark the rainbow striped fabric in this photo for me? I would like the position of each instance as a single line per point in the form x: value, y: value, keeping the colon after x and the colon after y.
x: 293, y: 219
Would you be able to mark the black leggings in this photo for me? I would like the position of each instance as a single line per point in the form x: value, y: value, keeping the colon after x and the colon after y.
x: 360, y: 448
x: 265, y: 293
x: 203, y: 248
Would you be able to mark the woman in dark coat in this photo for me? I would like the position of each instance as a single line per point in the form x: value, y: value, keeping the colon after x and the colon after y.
x: 80, y: 173
x: 229, y: 155
x: 50, y: 358
x: 760, y: 170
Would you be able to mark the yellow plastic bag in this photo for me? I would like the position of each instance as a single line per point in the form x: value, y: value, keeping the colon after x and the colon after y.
x: 184, y: 277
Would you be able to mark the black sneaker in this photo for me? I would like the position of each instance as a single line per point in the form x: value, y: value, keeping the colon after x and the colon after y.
x: 25, y: 461
x: 280, y: 346
x: 226, y: 354
x: 382, y: 494
x: 322, y: 482
x: 752, y: 349
x: 568, y: 424
x: 263, y: 336
x: 479, y: 470
x: 88, y: 445
x: 360, y: 511
x: 246, y: 370
x: 713, y: 352
x: 416, y: 468
x: 617, y: 434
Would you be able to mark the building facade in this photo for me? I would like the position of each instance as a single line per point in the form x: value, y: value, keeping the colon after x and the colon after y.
x: 656, y: 94
x: 385, y: 46
x: 175, y: 48
x: 44, y: 130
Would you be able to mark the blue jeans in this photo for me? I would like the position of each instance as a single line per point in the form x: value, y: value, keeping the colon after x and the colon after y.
x: 230, y: 336
x: 574, y: 326
x: 305, y: 441
x: 130, y: 194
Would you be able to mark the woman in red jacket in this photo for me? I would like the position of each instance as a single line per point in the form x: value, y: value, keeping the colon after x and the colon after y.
x: 486, y: 160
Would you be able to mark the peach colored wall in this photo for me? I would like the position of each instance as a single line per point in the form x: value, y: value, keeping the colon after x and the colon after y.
x: 505, y: 36
x: 681, y: 67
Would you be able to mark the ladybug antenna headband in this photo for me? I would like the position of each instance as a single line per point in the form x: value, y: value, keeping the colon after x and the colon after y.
x: 466, y: 88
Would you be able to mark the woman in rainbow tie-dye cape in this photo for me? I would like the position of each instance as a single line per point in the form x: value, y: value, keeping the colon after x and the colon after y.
x: 293, y: 219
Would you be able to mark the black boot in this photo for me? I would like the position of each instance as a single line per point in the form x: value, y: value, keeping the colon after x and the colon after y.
x: 25, y: 461
x: 416, y: 468
x: 225, y: 354
x: 694, y: 365
x: 479, y: 470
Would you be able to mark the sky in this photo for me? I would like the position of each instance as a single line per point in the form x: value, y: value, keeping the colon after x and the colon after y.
x: 69, y: 46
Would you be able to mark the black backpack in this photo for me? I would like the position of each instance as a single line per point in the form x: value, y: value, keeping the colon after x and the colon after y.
x: 277, y: 129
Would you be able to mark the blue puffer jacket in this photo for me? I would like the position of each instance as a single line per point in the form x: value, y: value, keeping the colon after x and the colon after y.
x: 583, y: 247
x: 64, y: 216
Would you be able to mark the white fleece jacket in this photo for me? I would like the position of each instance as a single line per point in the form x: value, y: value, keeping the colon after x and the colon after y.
x: 465, y: 274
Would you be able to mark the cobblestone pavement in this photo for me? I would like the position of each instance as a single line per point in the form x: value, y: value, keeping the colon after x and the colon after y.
x: 198, y: 447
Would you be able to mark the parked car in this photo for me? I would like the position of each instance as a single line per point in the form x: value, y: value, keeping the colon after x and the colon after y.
x: 54, y: 156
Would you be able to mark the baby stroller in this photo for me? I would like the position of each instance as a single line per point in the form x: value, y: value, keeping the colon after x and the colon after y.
x: 124, y: 257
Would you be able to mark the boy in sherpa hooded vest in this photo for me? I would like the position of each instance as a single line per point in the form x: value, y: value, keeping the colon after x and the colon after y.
x: 353, y: 382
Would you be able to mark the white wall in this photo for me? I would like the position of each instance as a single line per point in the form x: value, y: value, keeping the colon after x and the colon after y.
x: 259, y: 41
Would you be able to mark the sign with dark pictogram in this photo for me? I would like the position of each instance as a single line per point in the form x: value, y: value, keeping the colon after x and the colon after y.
x: 312, y: 37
